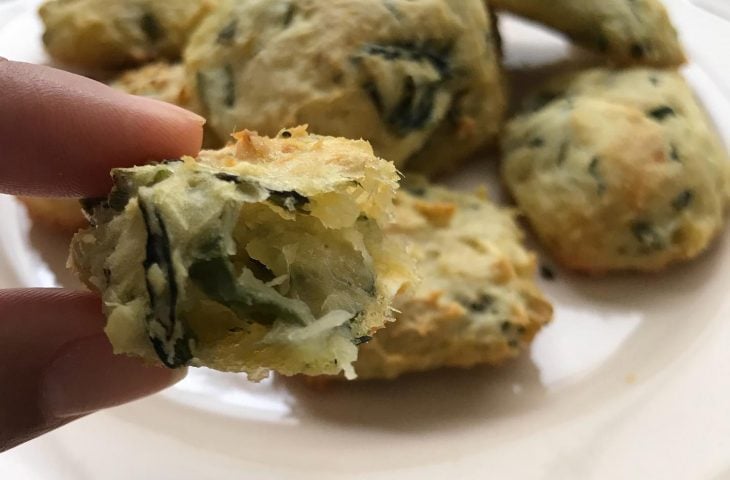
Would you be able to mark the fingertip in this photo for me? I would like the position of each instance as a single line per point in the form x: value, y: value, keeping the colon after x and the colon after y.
x: 86, y: 376
x: 68, y: 132
x: 167, y: 130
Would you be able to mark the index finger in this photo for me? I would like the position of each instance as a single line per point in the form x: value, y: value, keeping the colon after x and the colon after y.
x: 61, y: 133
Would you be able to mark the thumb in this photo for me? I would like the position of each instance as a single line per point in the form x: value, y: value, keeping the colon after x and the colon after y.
x: 57, y: 365
x: 85, y: 376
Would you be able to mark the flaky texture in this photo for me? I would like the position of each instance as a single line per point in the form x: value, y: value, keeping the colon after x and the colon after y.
x: 108, y: 34
x: 419, y: 80
x: 477, y: 302
x: 628, y: 32
x: 265, y: 255
x: 618, y: 170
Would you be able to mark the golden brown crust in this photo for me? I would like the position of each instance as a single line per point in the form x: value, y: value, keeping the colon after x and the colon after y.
x: 161, y: 80
x: 265, y: 255
x: 477, y: 302
x: 424, y: 88
x: 111, y: 34
x: 637, y: 32
x: 618, y: 170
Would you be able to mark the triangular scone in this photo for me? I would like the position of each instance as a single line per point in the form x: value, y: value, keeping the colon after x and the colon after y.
x: 265, y: 255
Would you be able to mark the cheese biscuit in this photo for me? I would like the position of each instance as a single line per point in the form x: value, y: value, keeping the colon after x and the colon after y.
x: 265, y: 255
x: 420, y: 81
x: 627, y: 32
x: 477, y: 302
x: 110, y: 34
x: 618, y: 170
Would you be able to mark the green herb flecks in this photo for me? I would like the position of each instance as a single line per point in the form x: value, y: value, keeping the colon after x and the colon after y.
x: 647, y: 236
x: 547, y: 273
x: 151, y: 27
x: 289, y: 15
x: 291, y: 201
x: 118, y: 199
x: 167, y: 331
x: 216, y: 87
x: 661, y: 113
x: 594, y: 171
x: 438, y: 56
x: 674, y: 153
x: 413, y: 105
x: 481, y: 304
x: 563, y: 152
x: 637, y: 51
x: 536, y: 142
x: 683, y: 200
x: 228, y: 177
x: 395, y: 11
x: 247, y: 296
x: 361, y: 340
x: 228, y: 33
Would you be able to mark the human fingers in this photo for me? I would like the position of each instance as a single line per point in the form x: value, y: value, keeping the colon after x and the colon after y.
x: 56, y: 364
x: 61, y: 133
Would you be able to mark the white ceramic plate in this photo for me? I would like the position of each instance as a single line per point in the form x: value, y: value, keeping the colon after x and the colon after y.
x: 631, y: 380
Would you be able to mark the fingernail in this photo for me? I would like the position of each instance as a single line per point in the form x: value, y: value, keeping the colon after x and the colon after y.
x: 85, y: 376
x: 161, y: 108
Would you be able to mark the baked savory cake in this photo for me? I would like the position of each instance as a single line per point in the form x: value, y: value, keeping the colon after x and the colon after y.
x: 420, y: 81
x: 265, y: 255
x: 477, y: 301
x: 62, y: 214
x: 628, y: 32
x: 103, y: 34
x: 618, y: 170
x: 160, y: 80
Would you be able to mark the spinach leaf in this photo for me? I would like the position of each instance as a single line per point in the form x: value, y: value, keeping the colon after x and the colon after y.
x: 168, y: 332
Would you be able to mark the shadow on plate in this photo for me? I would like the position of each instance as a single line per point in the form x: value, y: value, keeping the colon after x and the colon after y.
x: 677, y: 286
x: 421, y: 402
x: 668, y: 323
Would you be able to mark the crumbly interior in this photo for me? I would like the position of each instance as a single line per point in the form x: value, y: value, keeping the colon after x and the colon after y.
x: 477, y: 301
x: 266, y: 255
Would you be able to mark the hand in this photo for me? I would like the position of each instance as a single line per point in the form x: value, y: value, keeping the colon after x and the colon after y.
x: 60, y: 134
